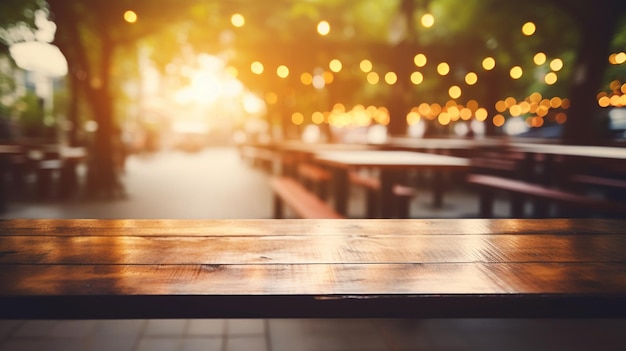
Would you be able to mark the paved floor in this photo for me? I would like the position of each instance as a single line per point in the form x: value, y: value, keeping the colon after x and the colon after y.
x: 216, y: 184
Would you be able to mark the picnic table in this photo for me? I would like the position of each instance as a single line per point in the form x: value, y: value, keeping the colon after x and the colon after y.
x: 442, y: 268
x: 391, y: 164
x: 7, y: 151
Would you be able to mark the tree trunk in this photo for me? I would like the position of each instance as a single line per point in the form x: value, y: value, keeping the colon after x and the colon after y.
x: 102, y: 171
x: 597, y: 30
x: 102, y: 177
x: 399, y: 101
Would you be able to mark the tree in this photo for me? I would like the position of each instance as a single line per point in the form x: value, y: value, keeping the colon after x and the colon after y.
x: 599, y: 21
x: 89, y: 33
x: 389, y: 33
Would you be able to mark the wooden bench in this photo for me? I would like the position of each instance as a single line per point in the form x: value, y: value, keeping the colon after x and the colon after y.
x: 402, y: 194
x: 302, y: 201
x: 315, y: 178
x: 522, y: 190
x: 599, y: 181
x: 296, y: 268
x: 611, y: 187
x: 47, y: 172
x: 258, y: 156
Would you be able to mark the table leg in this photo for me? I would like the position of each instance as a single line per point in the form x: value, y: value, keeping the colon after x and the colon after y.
x: 341, y: 190
x: 438, y: 184
x: 387, y: 203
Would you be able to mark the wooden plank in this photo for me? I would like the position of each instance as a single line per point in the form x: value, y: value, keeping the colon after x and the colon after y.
x: 437, y: 290
x: 297, y: 249
x: 599, y: 181
x: 312, y: 227
x: 582, y: 278
x: 399, y: 160
x: 303, y: 202
x: 549, y: 194
x: 315, y: 268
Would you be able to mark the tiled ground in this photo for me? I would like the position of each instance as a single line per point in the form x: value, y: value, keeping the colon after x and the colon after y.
x: 313, y: 335
x: 215, y: 184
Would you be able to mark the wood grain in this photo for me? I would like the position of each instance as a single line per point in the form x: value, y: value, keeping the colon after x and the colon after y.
x: 312, y: 268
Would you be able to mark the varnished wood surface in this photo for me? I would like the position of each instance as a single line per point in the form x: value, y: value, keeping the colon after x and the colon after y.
x: 312, y: 268
x: 601, y: 152
x: 390, y: 159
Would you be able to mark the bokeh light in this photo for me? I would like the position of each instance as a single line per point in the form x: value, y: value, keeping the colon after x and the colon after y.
x: 317, y: 117
x: 539, y: 58
x: 130, y: 16
x: 335, y: 65
x: 444, y: 119
x: 471, y: 78
x: 550, y: 78
x: 481, y: 114
x: 413, y: 117
x: 556, y: 64
x: 366, y: 65
x: 428, y: 20
x: 417, y: 78
x: 617, y: 58
x: 420, y: 60
x: 282, y: 71
x: 489, y: 63
x: 373, y: 78
x: 454, y: 92
x: 443, y: 68
x: 498, y: 120
x: 391, y: 78
x: 560, y: 117
x: 271, y: 97
x: 237, y: 20
x: 516, y: 72
x: 257, y: 67
x: 297, y: 118
x: 306, y: 78
x: 323, y: 28
x: 329, y: 77
x: 529, y: 28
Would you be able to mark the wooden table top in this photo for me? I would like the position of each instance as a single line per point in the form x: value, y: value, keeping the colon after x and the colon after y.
x: 408, y: 143
x: 607, y: 152
x: 389, y: 159
x: 300, y: 146
x: 312, y: 268
x: 10, y: 149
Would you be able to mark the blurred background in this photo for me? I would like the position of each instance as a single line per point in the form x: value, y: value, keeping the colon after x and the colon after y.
x: 85, y: 86
x: 148, y: 108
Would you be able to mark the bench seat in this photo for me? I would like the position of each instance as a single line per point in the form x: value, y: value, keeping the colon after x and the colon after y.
x: 402, y: 194
x: 259, y: 156
x: 525, y: 189
x: 325, y: 268
x: 316, y: 178
x: 303, y: 202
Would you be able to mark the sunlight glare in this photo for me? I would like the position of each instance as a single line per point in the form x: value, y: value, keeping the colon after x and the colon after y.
x: 252, y: 104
